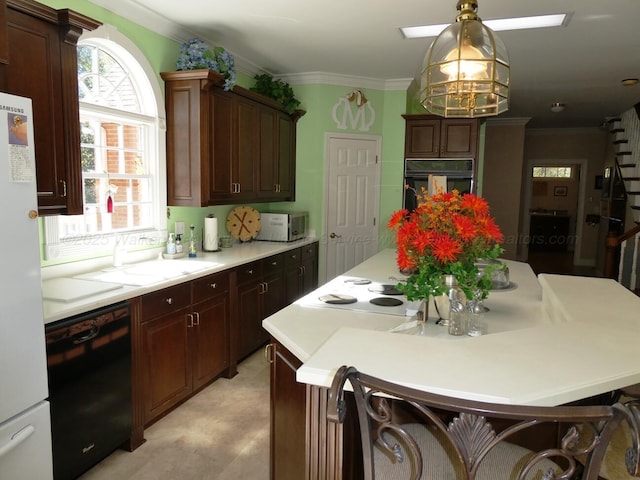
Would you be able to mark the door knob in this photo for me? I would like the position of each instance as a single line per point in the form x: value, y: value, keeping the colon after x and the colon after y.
x: 333, y: 235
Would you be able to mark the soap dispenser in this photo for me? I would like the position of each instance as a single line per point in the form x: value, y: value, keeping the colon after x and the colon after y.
x: 171, y: 245
x: 178, y: 243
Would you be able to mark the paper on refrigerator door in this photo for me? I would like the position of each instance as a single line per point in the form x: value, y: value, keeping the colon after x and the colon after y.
x: 437, y: 184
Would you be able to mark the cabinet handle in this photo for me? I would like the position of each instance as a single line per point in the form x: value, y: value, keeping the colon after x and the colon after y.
x: 268, y: 352
x: 64, y: 187
x: 250, y: 272
x: 213, y: 285
x: 300, y: 271
x: 169, y: 300
x: 197, y: 317
x: 190, y: 322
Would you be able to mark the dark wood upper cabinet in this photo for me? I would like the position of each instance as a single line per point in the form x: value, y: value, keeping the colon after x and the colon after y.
x: 429, y: 136
x: 4, y: 34
x: 42, y: 65
x: 225, y: 147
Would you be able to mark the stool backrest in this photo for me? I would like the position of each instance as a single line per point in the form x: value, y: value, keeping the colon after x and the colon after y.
x: 408, y: 433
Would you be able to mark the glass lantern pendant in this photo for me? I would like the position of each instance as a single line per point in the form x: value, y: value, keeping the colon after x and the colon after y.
x: 467, y: 69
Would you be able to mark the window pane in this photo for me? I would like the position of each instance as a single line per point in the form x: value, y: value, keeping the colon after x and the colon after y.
x: 552, y: 172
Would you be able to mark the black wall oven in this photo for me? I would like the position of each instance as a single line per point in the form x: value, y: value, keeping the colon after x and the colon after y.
x: 459, y: 173
x: 89, y: 370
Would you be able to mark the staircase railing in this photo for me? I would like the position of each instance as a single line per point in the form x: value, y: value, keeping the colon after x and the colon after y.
x: 622, y: 258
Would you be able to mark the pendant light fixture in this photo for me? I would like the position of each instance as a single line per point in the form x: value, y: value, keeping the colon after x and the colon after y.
x: 466, y: 71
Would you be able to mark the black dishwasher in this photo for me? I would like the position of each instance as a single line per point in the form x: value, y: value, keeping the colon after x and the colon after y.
x: 89, y: 370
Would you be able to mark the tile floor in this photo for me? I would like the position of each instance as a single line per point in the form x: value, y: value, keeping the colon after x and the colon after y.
x: 222, y: 433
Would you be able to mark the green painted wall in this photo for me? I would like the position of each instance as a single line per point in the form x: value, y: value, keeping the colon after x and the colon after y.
x: 318, y: 100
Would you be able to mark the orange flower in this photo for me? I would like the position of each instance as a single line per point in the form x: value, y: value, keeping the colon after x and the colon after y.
x: 445, y: 248
x: 396, y: 218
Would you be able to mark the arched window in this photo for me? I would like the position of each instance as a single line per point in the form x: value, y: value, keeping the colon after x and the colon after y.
x: 122, y: 150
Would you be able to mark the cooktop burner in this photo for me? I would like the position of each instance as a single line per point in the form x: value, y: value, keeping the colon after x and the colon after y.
x: 337, y: 299
x: 385, y: 289
x: 386, y: 301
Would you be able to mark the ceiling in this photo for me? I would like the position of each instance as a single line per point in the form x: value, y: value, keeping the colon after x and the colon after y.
x: 581, y: 64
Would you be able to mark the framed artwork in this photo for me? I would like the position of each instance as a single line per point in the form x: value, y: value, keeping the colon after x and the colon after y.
x: 560, y: 191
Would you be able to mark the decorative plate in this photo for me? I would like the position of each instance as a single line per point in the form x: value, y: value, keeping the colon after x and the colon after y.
x: 243, y: 223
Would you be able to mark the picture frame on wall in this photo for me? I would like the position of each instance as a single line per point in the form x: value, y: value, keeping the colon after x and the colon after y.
x: 560, y: 191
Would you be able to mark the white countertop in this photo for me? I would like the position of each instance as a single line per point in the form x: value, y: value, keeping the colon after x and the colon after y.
x: 238, y: 254
x: 587, y: 346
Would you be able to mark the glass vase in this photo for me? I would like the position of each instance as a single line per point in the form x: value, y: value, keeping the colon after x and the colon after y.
x: 443, y: 302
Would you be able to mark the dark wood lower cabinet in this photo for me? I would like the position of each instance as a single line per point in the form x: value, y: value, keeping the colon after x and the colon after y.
x: 304, y: 444
x: 288, y: 416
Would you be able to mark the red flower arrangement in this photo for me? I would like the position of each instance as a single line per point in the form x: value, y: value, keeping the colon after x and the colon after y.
x: 445, y: 235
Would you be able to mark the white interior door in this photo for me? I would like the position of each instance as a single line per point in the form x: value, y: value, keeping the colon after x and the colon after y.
x: 352, y: 201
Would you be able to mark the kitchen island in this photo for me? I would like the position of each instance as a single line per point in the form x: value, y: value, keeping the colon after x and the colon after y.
x: 551, y: 340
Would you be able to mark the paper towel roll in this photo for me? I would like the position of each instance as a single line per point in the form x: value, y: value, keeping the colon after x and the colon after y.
x: 210, y: 237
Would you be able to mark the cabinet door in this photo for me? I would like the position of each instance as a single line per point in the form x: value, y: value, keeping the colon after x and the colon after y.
x: 286, y: 157
x: 292, y: 276
x: 459, y: 138
x: 210, y: 334
x: 166, y: 366
x: 244, y: 149
x: 309, y: 268
x: 288, y: 417
x: 220, y: 148
x: 268, y: 164
x: 249, y: 317
x: 4, y: 38
x: 35, y: 71
x: 422, y: 138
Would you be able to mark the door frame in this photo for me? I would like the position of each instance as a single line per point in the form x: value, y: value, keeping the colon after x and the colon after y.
x: 376, y: 201
x: 582, y: 185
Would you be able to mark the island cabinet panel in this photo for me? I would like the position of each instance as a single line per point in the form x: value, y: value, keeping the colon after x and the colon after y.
x: 41, y: 63
x: 288, y: 416
x: 184, y: 339
x: 260, y: 293
x: 428, y: 136
x: 225, y: 147
x: 304, y: 444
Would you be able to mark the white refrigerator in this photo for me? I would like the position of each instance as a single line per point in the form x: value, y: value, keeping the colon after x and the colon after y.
x: 25, y: 426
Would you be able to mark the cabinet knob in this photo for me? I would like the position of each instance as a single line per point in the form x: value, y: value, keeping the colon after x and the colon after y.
x: 213, y: 285
x: 275, y: 264
x: 250, y: 272
x: 169, y: 300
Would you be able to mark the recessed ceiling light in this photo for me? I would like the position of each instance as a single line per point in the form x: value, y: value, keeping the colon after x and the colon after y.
x: 557, y: 107
x: 628, y: 82
x: 501, y: 24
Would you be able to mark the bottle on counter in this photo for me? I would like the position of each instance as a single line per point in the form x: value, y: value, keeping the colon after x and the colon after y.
x: 192, y: 241
x: 171, y: 245
x: 179, y: 248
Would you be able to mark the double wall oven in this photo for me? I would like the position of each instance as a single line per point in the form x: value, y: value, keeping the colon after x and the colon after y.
x: 458, y: 171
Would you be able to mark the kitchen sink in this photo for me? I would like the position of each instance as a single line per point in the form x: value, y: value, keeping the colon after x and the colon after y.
x: 149, y: 272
